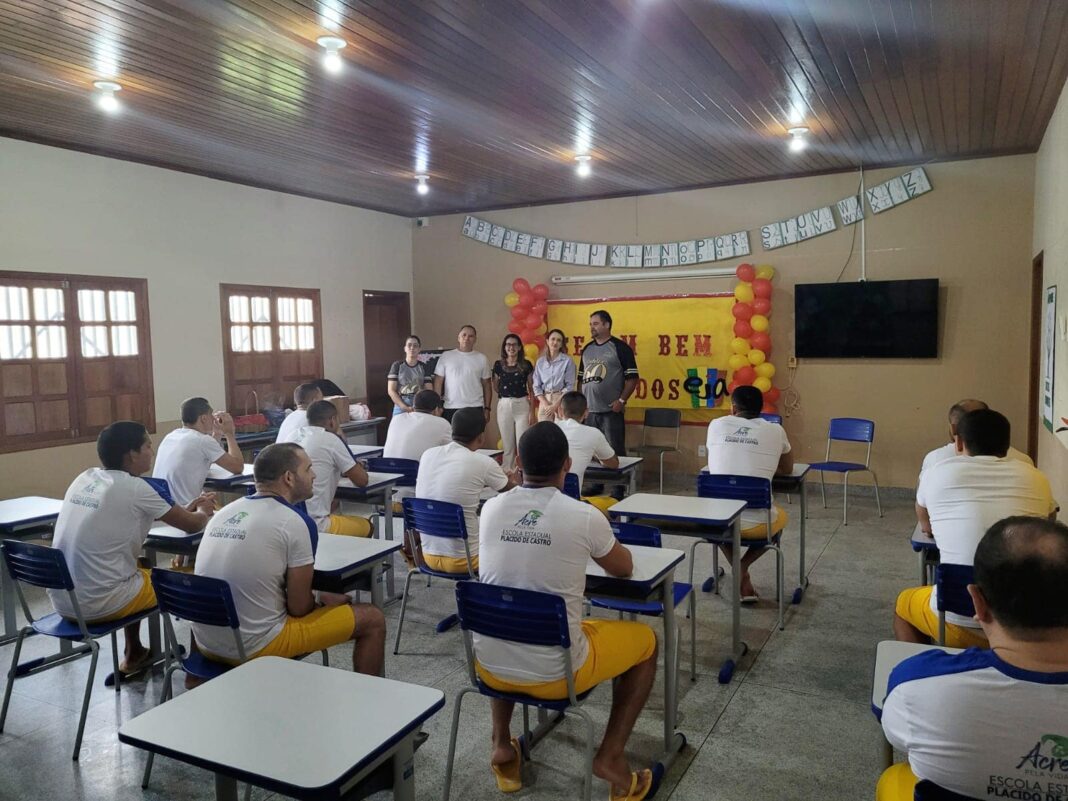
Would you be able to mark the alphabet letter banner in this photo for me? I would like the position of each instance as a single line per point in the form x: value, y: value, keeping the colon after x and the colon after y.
x: 681, y: 344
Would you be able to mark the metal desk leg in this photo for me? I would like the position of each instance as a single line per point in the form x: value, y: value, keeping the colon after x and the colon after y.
x: 387, y: 505
x: 802, y: 582
x: 404, y: 770
x: 738, y: 648
x: 225, y: 788
x: 7, y: 598
x: 888, y: 753
x: 923, y: 567
x: 633, y: 484
x: 673, y: 740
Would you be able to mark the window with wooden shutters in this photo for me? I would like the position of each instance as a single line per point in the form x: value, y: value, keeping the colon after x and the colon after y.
x: 74, y: 357
x: 272, y: 341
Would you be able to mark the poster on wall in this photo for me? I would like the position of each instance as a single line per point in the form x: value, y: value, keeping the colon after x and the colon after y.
x: 1049, y: 348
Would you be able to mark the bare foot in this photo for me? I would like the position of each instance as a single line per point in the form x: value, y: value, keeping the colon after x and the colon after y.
x: 502, y: 755
x: 192, y: 682
x: 747, y: 587
x: 134, y: 661
x: 615, y: 771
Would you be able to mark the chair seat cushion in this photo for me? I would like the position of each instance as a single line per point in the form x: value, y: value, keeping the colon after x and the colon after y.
x: 55, y: 625
x: 838, y: 467
x: 530, y: 700
x: 196, y: 664
x: 655, y: 608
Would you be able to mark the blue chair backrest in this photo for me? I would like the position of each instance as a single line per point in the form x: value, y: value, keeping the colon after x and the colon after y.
x: 197, y: 599
x: 409, y: 468
x: 851, y: 429
x: 38, y: 565
x: 772, y: 418
x: 522, y: 616
x: 571, y: 486
x: 756, y: 492
x: 637, y: 534
x: 437, y: 518
x: 952, y: 582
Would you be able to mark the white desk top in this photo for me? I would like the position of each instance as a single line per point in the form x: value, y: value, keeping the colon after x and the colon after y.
x: 921, y: 540
x: 888, y: 655
x: 374, y: 481
x: 161, y: 530
x: 336, y: 553
x: 221, y: 476
x: 625, y: 463
x: 317, y: 736
x: 713, y: 511
x: 30, y: 509
x: 649, y: 564
x: 360, y: 451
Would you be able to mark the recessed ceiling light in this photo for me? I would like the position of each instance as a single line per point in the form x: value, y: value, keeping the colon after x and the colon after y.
x: 105, y: 96
x: 583, y: 169
x: 422, y: 187
x: 331, y: 58
x: 798, y: 142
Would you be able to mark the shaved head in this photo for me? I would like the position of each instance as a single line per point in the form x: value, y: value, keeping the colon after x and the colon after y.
x: 961, y: 408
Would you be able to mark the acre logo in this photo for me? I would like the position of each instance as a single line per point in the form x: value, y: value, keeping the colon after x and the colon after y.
x: 1053, y: 759
x: 529, y: 520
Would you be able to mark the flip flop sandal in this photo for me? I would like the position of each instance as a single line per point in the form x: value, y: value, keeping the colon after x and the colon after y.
x: 748, y: 600
x: 508, y: 773
x: 136, y: 668
x: 636, y: 781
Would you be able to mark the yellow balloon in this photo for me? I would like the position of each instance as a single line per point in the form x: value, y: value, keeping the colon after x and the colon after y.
x: 765, y: 271
x: 763, y: 384
x: 511, y: 299
x: 500, y: 443
x: 737, y: 361
x: 531, y: 352
x: 759, y: 323
x: 765, y: 370
x: 757, y: 356
x: 739, y: 345
x: 744, y: 293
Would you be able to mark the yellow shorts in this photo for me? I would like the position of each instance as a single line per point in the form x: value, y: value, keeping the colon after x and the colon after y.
x: 914, y: 606
x: 449, y: 564
x: 896, y: 784
x: 350, y: 526
x: 602, y: 502
x: 615, y: 647
x: 145, y: 599
x: 319, y: 629
x: 760, y: 530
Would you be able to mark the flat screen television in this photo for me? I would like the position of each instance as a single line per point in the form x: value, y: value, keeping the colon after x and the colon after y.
x: 867, y: 319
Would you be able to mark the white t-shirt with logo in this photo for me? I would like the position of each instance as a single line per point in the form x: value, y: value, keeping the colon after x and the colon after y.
x: 966, y: 495
x: 455, y: 474
x: 539, y: 539
x: 411, y: 434
x: 463, y: 374
x: 291, y: 424
x: 977, y: 726
x: 183, y: 460
x: 948, y: 451
x: 583, y: 443
x: 742, y: 447
x: 331, y: 459
x: 250, y: 544
x: 102, y: 525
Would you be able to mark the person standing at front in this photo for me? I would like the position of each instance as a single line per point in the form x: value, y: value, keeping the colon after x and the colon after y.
x: 608, y: 375
x: 407, y: 377
x: 512, y: 383
x: 462, y: 376
x: 554, y: 375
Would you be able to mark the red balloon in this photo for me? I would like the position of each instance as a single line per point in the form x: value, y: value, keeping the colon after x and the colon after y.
x: 539, y: 307
x: 772, y: 395
x: 743, y: 329
x: 541, y: 292
x: 527, y: 336
x: 761, y: 341
x: 745, y: 376
x: 521, y: 285
x: 516, y: 326
x: 533, y: 322
x: 518, y: 311
x: 526, y: 301
x: 761, y: 306
x: 769, y: 408
x: 762, y: 287
x: 745, y: 272
x: 742, y: 311
x: 733, y: 385
x: 539, y: 340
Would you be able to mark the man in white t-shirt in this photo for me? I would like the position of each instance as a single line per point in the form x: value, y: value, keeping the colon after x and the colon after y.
x: 537, y: 538
x: 410, y: 435
x: 303, y: 396
x: 455, y: 473
x: 332, y: 460
x: 263, y: 546
x: 584, y: 443
x: 462, y: 376
x: 949, y: 450
x: 186, y: 454
x: 992, y: 723
x: 956, y: 502
x: 102, y: 526
x: 745, y: 444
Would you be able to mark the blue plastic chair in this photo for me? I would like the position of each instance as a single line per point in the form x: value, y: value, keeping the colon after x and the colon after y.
x: 756, y: 492
x: 848, y: 429
x: 408, y: 468
x: 529, y: 618
x: 649, y: 537
x: 438, y: 519
x: 951, y: 583
x: 772, y: 418
x: 41, y: 566
x: 571, y: 486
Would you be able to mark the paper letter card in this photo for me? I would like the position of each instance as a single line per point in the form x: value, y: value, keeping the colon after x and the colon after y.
x: 508, y: 241
x: 898, y: 190
x: 797, y: 229
x: 850, y: 210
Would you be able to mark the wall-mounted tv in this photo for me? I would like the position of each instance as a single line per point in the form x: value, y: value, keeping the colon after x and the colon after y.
x: 867, y: 319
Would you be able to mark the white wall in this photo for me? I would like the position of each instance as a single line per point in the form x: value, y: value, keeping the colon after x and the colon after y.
x: 68, y: 212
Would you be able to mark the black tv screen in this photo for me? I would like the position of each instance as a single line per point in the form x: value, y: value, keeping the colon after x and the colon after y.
x: 867, y: 319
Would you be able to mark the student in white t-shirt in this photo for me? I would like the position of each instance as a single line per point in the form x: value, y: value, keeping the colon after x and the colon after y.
x: 186, y: 454
x: 956, y: 502
x: 584, y: 443
x: 745, y: 444
x: 303, y: 396
x: 102, y: 526
x: 411, y: 434
x: 264, y: 548
x: 949, y: 450
x: 332, y: 461
x: 462, y: 376
x: 457, y: 474
x: 992, y: 723
x: 537, y: 538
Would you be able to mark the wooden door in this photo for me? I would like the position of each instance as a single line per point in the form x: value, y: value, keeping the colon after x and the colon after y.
x: 386, y: 324
x: 1034, y: 395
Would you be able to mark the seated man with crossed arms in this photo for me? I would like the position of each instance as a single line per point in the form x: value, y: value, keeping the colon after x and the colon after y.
x: 264, y: 548
x: 331, y: 460
x: 584, y: 443
x: 186, y: 454
x: 956, y: 502
x: 992, y: 723
x: 303, y: 396
x: 537, y: 538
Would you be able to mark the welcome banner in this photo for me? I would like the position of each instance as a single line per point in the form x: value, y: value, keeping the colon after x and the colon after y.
x: 681, y: 344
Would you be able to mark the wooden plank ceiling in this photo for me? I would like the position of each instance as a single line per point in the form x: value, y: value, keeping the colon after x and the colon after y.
x: 494, y: 99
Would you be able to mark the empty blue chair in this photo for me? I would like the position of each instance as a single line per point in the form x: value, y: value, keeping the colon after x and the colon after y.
x: 649, y: 537
x: 772, y: 418
x: 408, y: 468
x: 41, y: 566
x: 848, y: 429
x: 951, y: 583
x: 571, y: 486
x: 438, y: 519
x: 521, y: 616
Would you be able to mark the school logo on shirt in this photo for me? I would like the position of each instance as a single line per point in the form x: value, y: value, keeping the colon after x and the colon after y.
x: 524, y: 531
x: 530, y: 519
x: 1050, y: 755
x: 229, y: 529
x: 741, y: 436
x: 233, y: 521
x: 87, y: 496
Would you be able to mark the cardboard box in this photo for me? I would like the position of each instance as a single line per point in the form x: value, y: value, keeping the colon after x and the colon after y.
x: 341, y: 403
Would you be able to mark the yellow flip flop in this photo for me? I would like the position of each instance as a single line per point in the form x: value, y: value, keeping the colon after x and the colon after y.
x: 643, y: 779
x: 508, y: 773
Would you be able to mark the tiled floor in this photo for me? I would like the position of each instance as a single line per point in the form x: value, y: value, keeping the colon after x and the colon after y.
x: 795, y: 723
